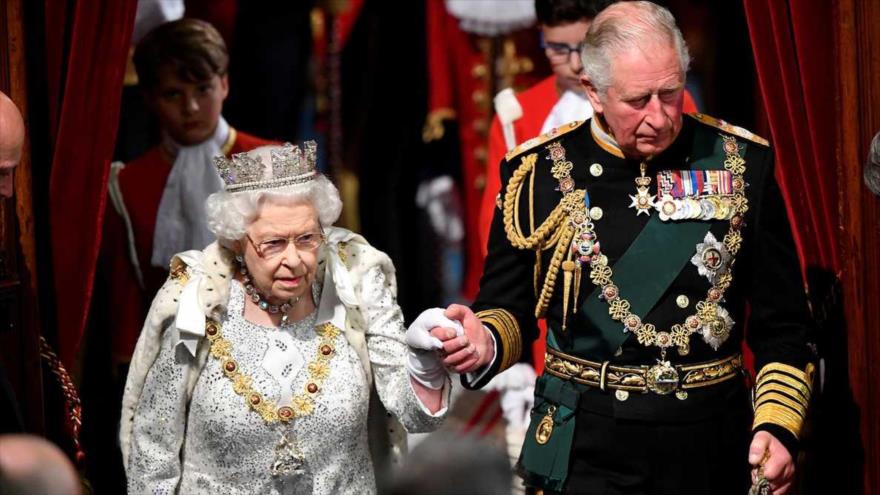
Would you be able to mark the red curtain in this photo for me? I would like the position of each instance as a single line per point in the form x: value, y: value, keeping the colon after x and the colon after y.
x: 86, y: 124
x: 793, y: 46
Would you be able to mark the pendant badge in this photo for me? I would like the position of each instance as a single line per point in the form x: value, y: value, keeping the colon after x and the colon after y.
x: 545, y: 427
x: 289, y: 460
x: 662, y: 378
x: 712, y: 258
x: 642, y: 200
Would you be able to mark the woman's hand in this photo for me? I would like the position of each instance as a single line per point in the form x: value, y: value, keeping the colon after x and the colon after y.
x: 469, y: 351
x: 424, y: 361
x: 778, y: 467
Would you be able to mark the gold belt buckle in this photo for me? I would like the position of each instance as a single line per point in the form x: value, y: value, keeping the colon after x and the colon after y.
x: 662, y: 378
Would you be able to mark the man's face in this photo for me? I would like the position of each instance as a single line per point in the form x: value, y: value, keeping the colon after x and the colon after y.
x: 642, y: 107
x: 566, y: 64
x: 10, y: 155
x: 188, y: 111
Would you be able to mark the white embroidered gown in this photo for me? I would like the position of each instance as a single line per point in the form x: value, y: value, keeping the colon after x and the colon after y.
x: 214, y: 444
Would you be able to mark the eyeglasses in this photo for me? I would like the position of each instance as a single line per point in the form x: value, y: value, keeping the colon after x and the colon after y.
x: 560, y: 51
x: 274, y: 246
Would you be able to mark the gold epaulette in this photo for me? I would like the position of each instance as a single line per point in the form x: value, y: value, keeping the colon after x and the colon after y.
x: 730, y: 128
x: 782, y: 395
x: 543, y: 138
x: 507, y: 328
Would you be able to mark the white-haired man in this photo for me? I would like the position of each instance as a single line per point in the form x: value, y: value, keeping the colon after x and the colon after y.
x: 642, y: 235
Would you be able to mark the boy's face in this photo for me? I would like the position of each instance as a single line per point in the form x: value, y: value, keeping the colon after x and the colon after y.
x: 188, y: 111
x: 562, y: 47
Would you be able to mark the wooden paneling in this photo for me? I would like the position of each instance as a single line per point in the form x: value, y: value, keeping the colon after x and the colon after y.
x: 858, y: 100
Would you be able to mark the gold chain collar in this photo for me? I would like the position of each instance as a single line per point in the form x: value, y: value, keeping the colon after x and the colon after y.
x: 571, y: 233
x: 707, y: 315
x: 303, y: 403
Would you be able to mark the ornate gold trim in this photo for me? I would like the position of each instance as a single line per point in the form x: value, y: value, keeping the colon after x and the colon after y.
x: 635, y: 378
x: 543, y: 138
x: 603, y: 138
x: 782, y: 395
x: 178, y: 271
x: 302, y: 403
x: 230, y: 141
x: 508, y: 330
x: 729, y: 128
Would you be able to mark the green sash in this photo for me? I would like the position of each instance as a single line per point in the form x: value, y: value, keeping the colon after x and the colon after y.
x: 546, y: 465
x: 644, y: 272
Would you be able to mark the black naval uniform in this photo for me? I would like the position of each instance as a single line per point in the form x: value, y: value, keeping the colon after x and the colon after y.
x: 694, y: 440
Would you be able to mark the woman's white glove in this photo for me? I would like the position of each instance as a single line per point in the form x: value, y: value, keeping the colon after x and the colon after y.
x: 424, y: 362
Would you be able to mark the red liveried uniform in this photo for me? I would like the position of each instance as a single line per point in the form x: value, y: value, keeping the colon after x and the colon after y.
x: 141, y: 183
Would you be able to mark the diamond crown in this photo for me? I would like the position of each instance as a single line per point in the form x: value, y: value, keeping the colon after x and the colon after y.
x: 290, y: 165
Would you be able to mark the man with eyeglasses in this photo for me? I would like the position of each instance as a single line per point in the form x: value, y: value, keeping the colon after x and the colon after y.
x: 555, y: 101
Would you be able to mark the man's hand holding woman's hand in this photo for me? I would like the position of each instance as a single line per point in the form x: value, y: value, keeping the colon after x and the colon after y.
x: 470, y: 350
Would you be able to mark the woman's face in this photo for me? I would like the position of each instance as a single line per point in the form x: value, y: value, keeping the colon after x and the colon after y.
x: 279, y: 269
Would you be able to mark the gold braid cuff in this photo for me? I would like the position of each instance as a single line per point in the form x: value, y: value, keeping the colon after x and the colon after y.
x: 782, y: 394
x: 508, y: 330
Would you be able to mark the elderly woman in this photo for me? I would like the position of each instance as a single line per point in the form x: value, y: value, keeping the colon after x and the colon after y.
x: 254, y: 370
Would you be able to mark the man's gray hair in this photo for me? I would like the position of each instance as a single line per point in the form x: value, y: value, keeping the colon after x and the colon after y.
x: 627, y: 25
x: 231, y: 214
x: 872, y: 168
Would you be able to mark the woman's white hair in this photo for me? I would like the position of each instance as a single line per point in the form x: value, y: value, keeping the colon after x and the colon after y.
x: 623, y: 26
x: 230, y: 214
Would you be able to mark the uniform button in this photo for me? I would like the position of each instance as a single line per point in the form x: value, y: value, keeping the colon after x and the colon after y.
x: 596, y: 170
x: 682, y: 301
x: 480, y: 182
x: 596, y: 213
x: 481, y: 126
x: 480, y: 97
x: 480, y: 154
x: 621, y: 395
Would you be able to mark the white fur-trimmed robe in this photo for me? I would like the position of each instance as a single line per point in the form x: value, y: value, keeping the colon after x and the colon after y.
x: 199, y: 289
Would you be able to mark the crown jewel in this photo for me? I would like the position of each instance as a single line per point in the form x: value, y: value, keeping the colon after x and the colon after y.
x: 290, y: 165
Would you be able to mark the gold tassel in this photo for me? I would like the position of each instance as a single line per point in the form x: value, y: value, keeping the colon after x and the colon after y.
x: 567, y: 267
x: 577, y: 286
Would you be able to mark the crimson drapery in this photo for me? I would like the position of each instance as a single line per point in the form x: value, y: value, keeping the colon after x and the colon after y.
x: 85, y: 135
x: 793, y: 46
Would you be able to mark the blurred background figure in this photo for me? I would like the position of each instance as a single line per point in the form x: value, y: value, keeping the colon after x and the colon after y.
x: 30, y: 465
x: 452, y: 465
x: 11, y: 141
x: 872, y: 167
